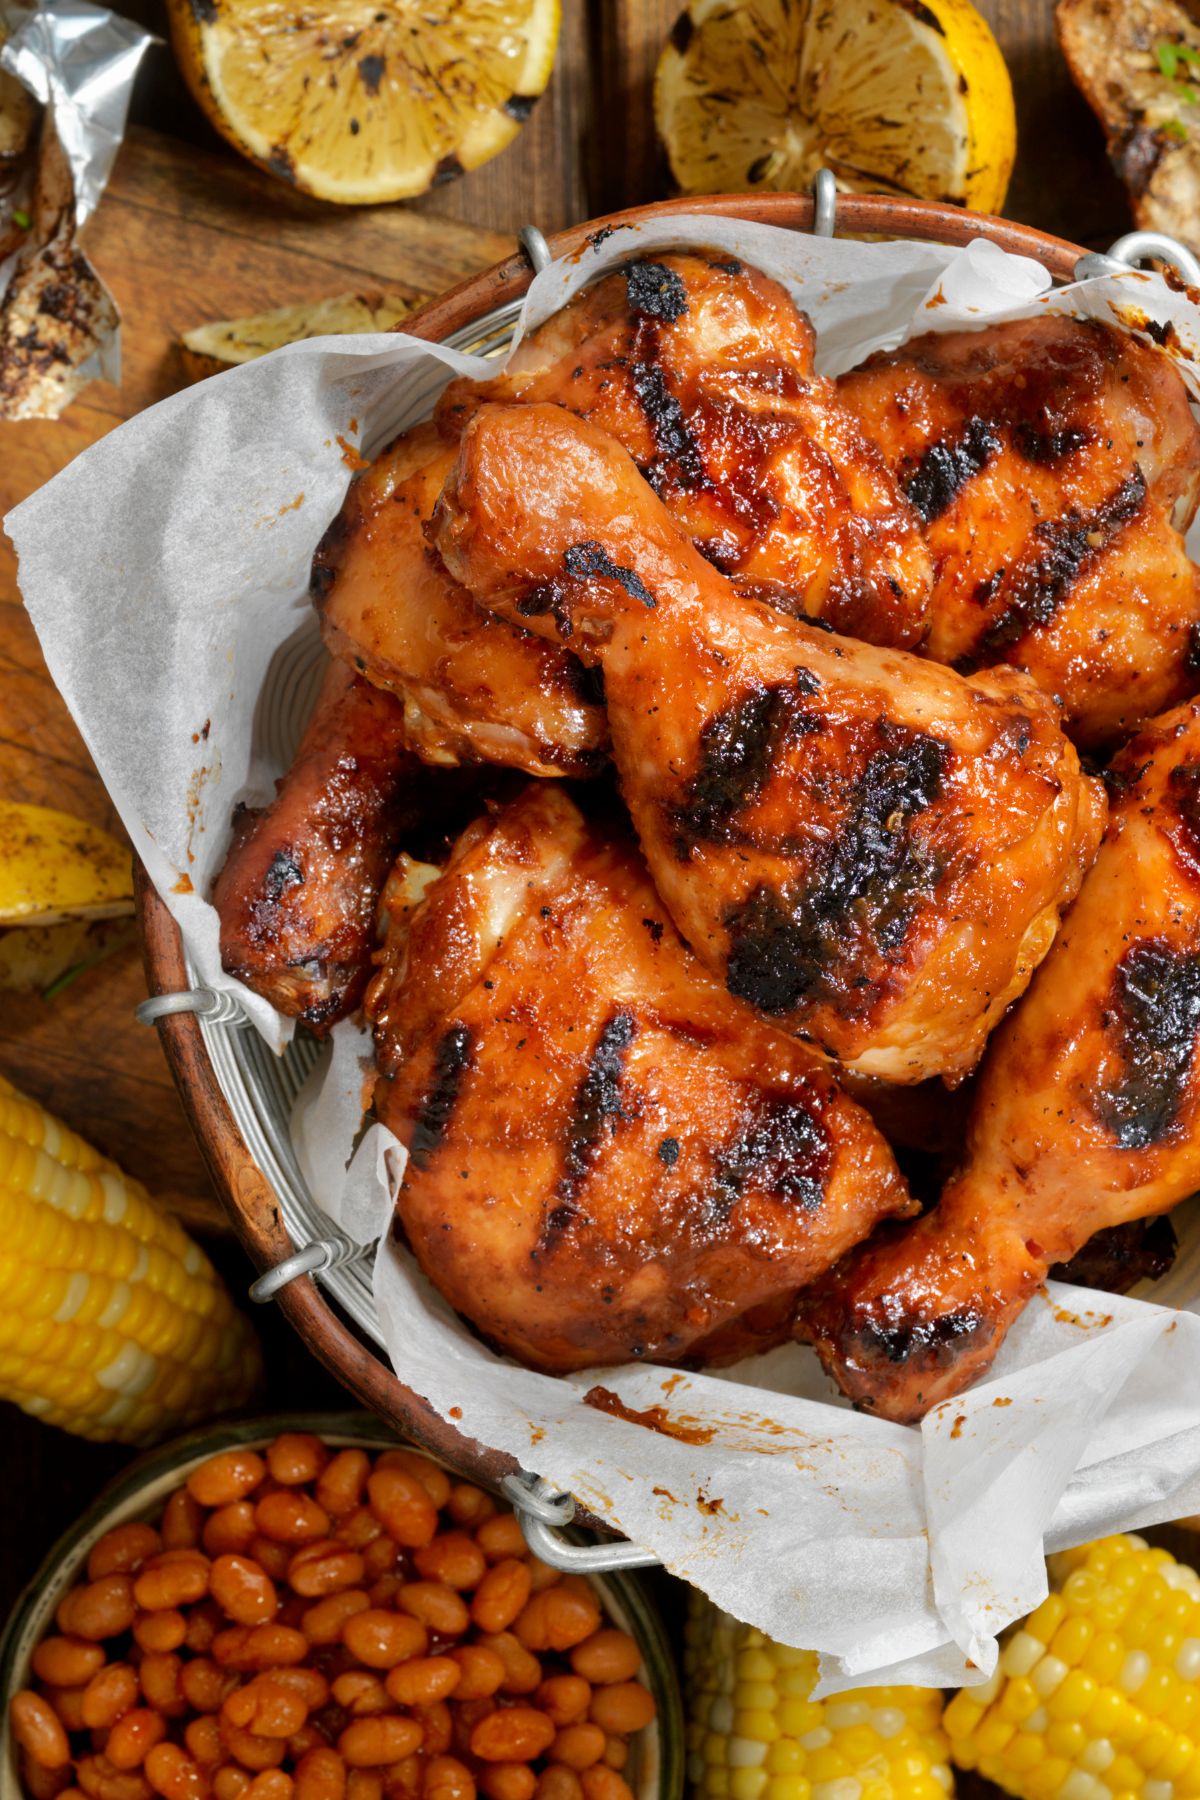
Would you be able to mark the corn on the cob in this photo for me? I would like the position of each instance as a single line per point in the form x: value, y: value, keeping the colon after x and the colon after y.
x: 113, y: 1323
x: 1097, y: 1693
x: 754, y: 1733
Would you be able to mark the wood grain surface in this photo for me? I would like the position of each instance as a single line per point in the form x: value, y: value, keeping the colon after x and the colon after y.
x: 187, y: 233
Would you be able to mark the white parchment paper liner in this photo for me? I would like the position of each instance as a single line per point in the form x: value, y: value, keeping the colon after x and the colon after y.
x: 165, y: 571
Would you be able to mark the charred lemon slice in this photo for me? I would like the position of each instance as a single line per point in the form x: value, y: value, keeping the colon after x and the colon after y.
x: 895, y: 96
x: 55, y: 867
x: 364, y: 102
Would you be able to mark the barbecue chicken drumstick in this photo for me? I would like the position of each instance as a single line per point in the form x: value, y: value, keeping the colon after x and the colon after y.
x: 703, y: 368
x: 867, y: 848
x: 1055, y: 462
x: 1087, y: 1113
x: 608, y: 1157
x: 473, y: 688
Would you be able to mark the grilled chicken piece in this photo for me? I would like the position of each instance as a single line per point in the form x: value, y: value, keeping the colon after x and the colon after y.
x: 869, y: 849
x: 474, y: 690
x: 703, y: 368
x: 1055, y: 462
x: 297, y: 895
x: 1087, y: 1112
x: 608, y: 1157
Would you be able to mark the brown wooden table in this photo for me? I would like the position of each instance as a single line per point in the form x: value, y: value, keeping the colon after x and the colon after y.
x: 188, y: 233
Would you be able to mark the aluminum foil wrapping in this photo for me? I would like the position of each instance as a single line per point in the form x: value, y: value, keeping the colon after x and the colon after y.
x: 66, y: 74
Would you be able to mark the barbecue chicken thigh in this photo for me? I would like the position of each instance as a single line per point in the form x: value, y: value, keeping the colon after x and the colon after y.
x: 867, y: 848
x: 1055, y: 462
x: 608, y: 1157
x: 473, y: 689
x: 1087, y: 1113
x: 703, y: 368
x: 297, y: 895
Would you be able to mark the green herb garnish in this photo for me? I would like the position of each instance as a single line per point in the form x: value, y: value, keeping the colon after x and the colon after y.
x: 21, y: 218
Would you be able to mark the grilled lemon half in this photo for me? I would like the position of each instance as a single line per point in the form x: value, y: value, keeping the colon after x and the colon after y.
x: 895, y: 96
x: 364, y: 101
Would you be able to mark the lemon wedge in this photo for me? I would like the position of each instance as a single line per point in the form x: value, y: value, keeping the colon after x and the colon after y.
x: 55, y: 867
x: 363, y: 101
x: 904, y: 97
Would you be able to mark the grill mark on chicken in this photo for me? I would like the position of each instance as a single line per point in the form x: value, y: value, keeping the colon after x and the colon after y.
x: 945, y: 469
x: 655, y: 292
x: 450, y: 1063
x: 1118, y: 1257
x: 591, y: 559
x: 738, y: 748
x: 936, y: 1343
x: 859, y: 897
x: 780, y: 1147
x: 1183, y: 787
x: 1153, y: 1014
x: 679, y: 461
x: 597, y: 1101
x: 1047, y: 447
x: 1060, y: 551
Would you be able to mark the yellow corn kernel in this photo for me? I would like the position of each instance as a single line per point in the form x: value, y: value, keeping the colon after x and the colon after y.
x: 747, y: 1784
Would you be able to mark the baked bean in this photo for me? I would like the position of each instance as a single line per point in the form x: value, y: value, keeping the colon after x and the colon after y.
x: 272, y: 1784
x: 102, y: 1609
x: 256, y: 1647
x: 230, y: 1782
x: 616, y: 1752
x: 68, y: 1704
x: 558, y: 1783
x: 203, y: 1685
x: 182, y: 1521
x: 501, y: 1595
x: 173, y: 1579
x: 565, y: 1616
x: 107, y: 1695
x: 402, y: 1506
x: 364, y: 1784
x: 296, y: 1457
x: 67, y: 1662
x: 172, y: 1773
x: 469, y: 1505
x: 341, y: 1482
x: 324, y: 1568
x: 359, y: 1528
x: 309, y: 1737
x: 435, y: 1481
x: 481, y: 1671
x: 380, y: 1557
x: 202, y: 1738
x: 270, y: 1556
x: 373, y: 1743
x: 360, y: 1693
x: 501, y: 1537
x: 322, y: 1623
x: 403, y: 1780
x: 453, y: 1558
x: 514, y: 1734
x: 467, y: 1714
x: 122, y: 1550
x: 311, y: 1685
x: 508, y: 1781
x: 134, y: 1736
x: 579, y: 1746
x: 267, y: 1708
x: 423, y: 1680
x: 448, y: 1779
x: 384, y: 1590
x: 41, y: 1783
x: 622, y: 1708
x: 230, y: 1530
x: 203, y: 1623
x: 437, y: 1723
x: 254, y: 1753
x: 522, y: 1672
x: 165, y: 1630
x: 383, y: 1639
x: 100, y: 1781
x: 436, y: 1605
x: 608, y: 1655
x: 243, y: 1590
x: 564, y: 1698
x: 541, y: 1575
x: 602, y: 1783
x: 320, y: 1775
x: 291, y: 1518
x: 38, y: 1730
x: 160, y: 1677
x: 228, y: 1476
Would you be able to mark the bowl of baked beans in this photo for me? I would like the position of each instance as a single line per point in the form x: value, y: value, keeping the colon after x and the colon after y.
x: 304, y: 1609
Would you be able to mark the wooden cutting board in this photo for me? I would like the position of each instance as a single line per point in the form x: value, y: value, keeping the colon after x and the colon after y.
x: 182, y: 237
